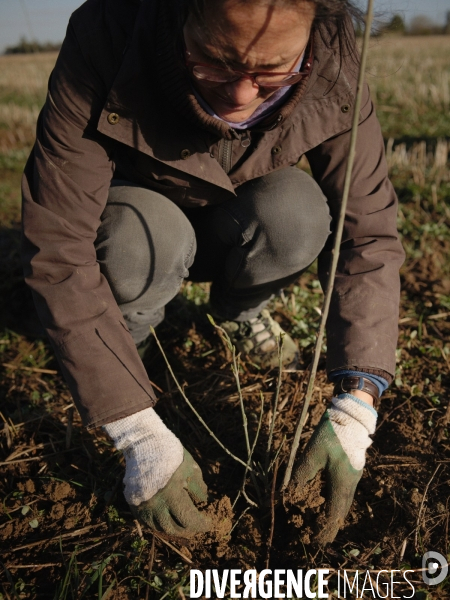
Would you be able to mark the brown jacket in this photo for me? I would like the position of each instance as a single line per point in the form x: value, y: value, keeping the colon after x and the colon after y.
x: 120, y: 103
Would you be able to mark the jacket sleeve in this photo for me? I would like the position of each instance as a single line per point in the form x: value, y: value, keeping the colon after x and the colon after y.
x: 65, y: 188
x: 362, y: 326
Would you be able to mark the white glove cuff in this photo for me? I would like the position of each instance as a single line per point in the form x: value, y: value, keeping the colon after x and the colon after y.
x: 353, y: 422
x: 152, y: 453
x: 358, y: 409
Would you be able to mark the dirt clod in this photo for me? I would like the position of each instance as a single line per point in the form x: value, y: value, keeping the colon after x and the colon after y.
x: 57, y: 491
x: 29, y: 486
x: 221, y: 515
x: 57, y: 511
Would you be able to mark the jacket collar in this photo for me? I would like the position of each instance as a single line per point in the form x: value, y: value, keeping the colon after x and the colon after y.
x: 145, y: 120
x: 151, y: 90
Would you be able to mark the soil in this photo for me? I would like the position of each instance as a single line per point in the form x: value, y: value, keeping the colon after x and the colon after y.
x: 63, y: 511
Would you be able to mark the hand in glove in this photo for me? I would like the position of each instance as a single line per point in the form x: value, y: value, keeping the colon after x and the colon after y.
x: 338, y: 445
x: 161, y: 477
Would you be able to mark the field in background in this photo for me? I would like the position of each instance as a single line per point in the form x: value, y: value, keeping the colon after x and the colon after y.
x: 410, y: 81
x: 65, y: 529
x: 23, y: 87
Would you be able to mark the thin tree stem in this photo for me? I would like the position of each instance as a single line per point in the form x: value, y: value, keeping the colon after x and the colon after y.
x: 251, y: 456
x: 188, y: 402
x: 280, y: 343
x: 235, y: 369
x: 336, y: 246
x: 230, y: 348
x: 241, y: 399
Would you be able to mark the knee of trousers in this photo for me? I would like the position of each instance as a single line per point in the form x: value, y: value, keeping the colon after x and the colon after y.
x: 145, y: 246
x: 280, y: 221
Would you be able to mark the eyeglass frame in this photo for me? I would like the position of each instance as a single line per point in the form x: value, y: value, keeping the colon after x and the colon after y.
x: 191, y: 64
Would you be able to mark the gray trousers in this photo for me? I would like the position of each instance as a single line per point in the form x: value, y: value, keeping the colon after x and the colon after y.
x: 248, y: 247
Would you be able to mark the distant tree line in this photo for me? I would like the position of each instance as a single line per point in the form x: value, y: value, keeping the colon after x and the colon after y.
x: 419, y: 25
x: 31, y: 47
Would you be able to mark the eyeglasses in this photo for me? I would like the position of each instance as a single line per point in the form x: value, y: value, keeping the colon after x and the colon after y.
x: 213, y: 76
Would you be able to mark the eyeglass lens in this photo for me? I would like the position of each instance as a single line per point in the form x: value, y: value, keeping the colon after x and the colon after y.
x: 217, y: 76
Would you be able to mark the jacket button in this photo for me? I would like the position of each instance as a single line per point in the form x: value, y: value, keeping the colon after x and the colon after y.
x: 345, y: 108
x: 185, y: 154
x: 113, y: 118
x: 276, y: 150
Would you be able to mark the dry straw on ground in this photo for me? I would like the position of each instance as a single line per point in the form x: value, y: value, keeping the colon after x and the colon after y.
x: 410, y: 72
x: 23, y: 85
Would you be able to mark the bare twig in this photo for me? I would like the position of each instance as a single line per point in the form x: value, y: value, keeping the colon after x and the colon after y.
x: 280, y: 343
x: 37, y: 566
x: 172, y: 547
x: 156, y: 387
x: 239, y: 518
x: 31, y: 369
x: 150, y: 568
x: 9, y: 511
x: 261, y: 414
x: 250, y: 450
x: 87, y: 548
x: 297, y: 391
x: 69, y: 427
x: 390, y: 466
x: 244, y: 493
x: 272, y: 513
x: 139, y: 529
x: 403, y: 549
x: 235, y: 369
x: 439, y: 316
x: 278, y: 453
x: 419, y: 516
x: 188, y: 402
x: 20, y: 452
x: 336, y: 246
x: 59, y: 537
x: 22, y: 460
x: 40, y: 418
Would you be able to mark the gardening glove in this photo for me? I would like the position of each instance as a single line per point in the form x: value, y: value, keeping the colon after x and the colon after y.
x: 161, y: 477
x: 338, y: 445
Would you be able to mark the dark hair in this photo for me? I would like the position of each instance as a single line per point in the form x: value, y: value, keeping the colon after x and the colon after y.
x: 334, y: 19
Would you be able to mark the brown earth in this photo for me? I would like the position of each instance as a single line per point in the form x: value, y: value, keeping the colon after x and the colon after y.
x: 63, y: 512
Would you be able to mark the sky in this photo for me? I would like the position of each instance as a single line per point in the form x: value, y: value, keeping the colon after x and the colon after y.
x: 46, y: 20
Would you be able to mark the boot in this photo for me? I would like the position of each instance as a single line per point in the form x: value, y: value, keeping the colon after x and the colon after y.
x: 256, y: 339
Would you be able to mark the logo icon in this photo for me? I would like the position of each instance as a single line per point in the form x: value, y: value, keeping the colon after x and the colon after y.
x: 435, y: 568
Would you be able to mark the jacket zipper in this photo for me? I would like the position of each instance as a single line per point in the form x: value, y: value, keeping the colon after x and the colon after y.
x: 226, y: 155
x: 245, y: 139
x: 226, y: 150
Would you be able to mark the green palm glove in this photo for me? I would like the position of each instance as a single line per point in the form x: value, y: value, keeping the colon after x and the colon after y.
x: 161, y: 477
x: 338, y: 446
x: 171, y: 510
